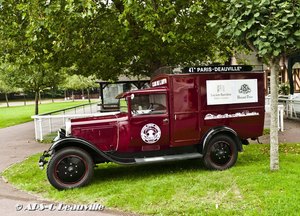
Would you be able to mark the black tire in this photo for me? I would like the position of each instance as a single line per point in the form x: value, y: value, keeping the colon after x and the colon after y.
x: 70, y: 167
x: 221, y: 153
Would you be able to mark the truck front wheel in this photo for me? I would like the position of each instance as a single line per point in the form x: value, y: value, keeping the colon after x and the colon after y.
x: 70, y: 168
x: 221, y: 153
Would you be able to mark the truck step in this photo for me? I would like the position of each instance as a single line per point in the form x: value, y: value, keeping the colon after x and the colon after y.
x: 168, y: 158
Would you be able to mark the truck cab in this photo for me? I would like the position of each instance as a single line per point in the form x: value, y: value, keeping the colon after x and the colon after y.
x: 206, y: 112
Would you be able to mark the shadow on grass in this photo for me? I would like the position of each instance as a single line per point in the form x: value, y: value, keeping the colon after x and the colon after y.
x: 108, y: 172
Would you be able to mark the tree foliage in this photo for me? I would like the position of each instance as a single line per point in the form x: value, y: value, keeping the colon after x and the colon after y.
x: 270, y: 28
x: 130, y: 37
x: 109, y: 38
x: 167, y: 33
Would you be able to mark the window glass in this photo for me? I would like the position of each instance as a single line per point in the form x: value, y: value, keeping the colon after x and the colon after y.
x: 149, y: 104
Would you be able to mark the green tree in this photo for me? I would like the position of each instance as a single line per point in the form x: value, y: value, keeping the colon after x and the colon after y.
x: 71, y: 83
x: 79, y: 82
x: 89, y: 83
x: 6, y: 89
x: 7, y: 85
x: 271, y: 29
x: 27, y: 44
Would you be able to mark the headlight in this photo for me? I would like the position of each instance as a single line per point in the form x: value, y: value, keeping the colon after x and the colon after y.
x: 57, y: 137
x: 68, y: 127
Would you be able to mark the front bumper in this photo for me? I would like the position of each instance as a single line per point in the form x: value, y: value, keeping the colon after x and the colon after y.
x: 43, y: 160
x: 61, y: 133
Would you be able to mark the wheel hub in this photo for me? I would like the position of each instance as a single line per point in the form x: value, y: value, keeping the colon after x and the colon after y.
x: 221, y: 153
x: 70, y: 169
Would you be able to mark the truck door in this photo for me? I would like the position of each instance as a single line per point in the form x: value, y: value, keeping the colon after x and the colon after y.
x: 185, y: 128
x: 149, y: 122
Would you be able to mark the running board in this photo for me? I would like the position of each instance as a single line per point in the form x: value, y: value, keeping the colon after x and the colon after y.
x: 168, y: 158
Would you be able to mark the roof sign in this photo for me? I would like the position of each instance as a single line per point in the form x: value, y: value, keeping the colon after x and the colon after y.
x: 159, y: 82
x: 218, y: 68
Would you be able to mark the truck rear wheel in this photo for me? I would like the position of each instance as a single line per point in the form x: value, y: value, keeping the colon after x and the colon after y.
x: 221, y: 153
x: 70, y: 168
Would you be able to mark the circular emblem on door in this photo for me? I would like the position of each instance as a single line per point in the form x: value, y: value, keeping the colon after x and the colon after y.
x: 150, y: 133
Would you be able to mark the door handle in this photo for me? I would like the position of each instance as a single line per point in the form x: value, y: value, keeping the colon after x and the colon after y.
x: 166, y: 120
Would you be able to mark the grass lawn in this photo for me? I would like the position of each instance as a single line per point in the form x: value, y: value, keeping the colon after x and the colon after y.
x: 48, y: 138
x: 182, y: 188
x: 10, y: 116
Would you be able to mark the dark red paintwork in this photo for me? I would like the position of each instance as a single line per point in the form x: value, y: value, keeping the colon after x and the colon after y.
x: 184, y: 123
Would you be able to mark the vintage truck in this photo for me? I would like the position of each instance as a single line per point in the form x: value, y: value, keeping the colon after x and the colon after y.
x: 204, y: 112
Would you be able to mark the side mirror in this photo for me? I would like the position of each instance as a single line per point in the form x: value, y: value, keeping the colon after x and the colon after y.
x: 132, y: 96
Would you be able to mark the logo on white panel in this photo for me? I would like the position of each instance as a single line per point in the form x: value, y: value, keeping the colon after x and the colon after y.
x: 245, y: 89
x: 150, y: 133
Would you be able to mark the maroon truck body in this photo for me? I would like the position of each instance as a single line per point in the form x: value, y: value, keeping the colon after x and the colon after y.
x: 195, y: 115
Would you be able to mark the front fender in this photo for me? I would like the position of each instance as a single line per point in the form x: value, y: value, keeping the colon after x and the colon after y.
x: 90, y: 148
x: 67, y: 141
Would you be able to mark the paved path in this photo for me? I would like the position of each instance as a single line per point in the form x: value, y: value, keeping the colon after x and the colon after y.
x: 29, y: 102
x: 291, y: 133
x: 17, y: 143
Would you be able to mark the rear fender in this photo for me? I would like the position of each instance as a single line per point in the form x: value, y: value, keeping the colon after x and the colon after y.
x: 221, y: 130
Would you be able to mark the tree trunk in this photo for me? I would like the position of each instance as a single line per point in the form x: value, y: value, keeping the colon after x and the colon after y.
x: 6, y: 99
x: 36, y: 99
x: 24, y: 99
x: 82, y: 94
x: 40, y: 98
x: 72, y: 95
x: 274, y: 153
x: 88, y: 93
x: 52, y: 94
x: 65, y: 92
